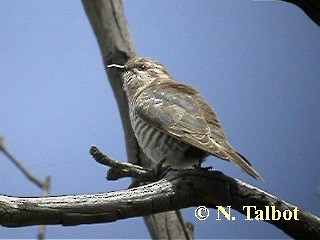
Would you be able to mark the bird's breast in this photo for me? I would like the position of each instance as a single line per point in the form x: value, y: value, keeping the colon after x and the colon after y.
x: 158, y: 145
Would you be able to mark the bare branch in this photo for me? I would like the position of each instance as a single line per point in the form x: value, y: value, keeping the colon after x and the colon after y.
x: 249, y: 196
x: 310, y: 7
x: 45, y: 193
x: 19, y: 165
x: 45, y: 186
x: 178, y: 189
x: 119, y: 169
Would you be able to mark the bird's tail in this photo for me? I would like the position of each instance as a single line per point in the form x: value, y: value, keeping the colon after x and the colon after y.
x: 245, y: 165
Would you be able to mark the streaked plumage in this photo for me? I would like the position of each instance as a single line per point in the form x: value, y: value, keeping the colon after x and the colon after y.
x: 172, y: 121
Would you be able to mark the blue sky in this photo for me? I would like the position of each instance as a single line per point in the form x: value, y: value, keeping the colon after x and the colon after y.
x: 255, y: 62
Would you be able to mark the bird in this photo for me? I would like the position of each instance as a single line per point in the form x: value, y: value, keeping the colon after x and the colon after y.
x: 172, y: 123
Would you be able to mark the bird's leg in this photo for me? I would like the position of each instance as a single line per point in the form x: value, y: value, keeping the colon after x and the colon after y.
x: 158, y: 168
x: 198, y: 166
x: 155, y: 173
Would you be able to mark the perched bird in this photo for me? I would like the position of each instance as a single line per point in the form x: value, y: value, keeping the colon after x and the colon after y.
x: 172, y: 123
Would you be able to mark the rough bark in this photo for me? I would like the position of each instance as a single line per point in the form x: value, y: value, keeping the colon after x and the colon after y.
x: 178, y: 189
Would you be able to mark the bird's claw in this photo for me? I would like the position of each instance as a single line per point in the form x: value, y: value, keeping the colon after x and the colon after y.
x: 160, y: 171
x: 197, y: 166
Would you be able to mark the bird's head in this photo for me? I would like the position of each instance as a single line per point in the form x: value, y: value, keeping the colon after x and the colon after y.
x: 139, y: 73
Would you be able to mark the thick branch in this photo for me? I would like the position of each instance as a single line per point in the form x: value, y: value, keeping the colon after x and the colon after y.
x: 310, y: 7
x: 230, y: 192
x: 179, y: 189
x: 112, y: 32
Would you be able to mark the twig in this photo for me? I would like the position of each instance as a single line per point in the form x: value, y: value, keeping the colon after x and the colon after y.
x: 44, y: 186
x: 122, y: 169
x: 45, y: 193
x: 19, y: 165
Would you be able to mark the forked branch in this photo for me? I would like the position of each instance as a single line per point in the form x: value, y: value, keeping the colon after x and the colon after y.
x: 178, y: 189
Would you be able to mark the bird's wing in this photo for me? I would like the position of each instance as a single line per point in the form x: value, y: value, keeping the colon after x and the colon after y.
x: 218, y: 134
x: 172, y: 109
x: 177, y: 110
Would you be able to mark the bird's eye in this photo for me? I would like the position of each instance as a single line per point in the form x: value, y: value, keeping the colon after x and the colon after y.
x: 143, y: 67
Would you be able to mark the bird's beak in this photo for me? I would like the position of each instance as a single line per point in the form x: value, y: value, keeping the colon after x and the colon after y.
x: 116, y: 66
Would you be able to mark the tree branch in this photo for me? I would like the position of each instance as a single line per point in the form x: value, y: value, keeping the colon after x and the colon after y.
x: 310, y: 7
x: 178, y: 189
x: 19, y: 165
x: 43, y: 185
